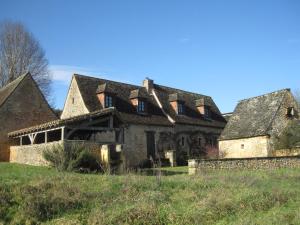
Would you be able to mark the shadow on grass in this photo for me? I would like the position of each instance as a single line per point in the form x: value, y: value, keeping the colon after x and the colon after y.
x: 155, y: 172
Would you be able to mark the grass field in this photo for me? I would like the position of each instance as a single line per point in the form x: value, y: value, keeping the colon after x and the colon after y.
x: 33, y: 195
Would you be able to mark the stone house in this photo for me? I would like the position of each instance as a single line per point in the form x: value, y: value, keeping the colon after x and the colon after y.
x: 256, y: 123
x: 141, y: 122
x: 21, y: 105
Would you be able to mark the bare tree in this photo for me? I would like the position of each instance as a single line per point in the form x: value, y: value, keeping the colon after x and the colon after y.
x: 20, y: 53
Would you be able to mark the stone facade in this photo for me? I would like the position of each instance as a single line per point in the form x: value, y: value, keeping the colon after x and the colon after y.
x: 166, y: 139
x: 135, y: 142
x: 198, y: 166
x: 24, y: 107
x: 74, y: 104
x: 245, y: 147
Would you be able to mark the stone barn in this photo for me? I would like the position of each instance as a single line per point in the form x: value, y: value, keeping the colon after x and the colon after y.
x: 256, y: 123
x: 150, y: 121
x: 21, y: 105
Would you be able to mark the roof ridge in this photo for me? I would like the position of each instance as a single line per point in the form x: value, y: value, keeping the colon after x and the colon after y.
x: 97, y: 78
x: 18, y: 79
x: 140, y: 86
x: 263, y: 95
x: 15, y: 82
x: 177, y: 89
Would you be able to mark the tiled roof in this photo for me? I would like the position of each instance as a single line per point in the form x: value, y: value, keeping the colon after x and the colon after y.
x: 88, y: 86
x: 191, y: 115
x: 139, y: 93
x: 124, y: 92
x: 7, y: 90
x: 252, y: 117
x: 63, y: 122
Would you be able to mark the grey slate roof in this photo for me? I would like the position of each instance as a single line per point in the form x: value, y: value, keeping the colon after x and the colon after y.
x: 7, y: 90
x: 253, y: 117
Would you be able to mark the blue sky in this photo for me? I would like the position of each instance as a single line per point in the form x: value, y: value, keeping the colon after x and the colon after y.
x: 229, y: 50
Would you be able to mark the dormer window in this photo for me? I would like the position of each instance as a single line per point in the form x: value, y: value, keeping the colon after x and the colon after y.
x: 138, y: 99
x: 106, y: 94
x: 204, y: 107
x: 180, y: 109
x: 177, y: 103
x: 207, y: 112
x: 108, y: 101
x: 141, y: 106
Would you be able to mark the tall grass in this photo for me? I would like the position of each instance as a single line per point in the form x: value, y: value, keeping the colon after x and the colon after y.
x: 220, y: 197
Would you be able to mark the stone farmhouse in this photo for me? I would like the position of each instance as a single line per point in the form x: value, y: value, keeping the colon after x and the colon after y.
x: 256, y: 123
x: 127, y: 124
x: 21, y: 105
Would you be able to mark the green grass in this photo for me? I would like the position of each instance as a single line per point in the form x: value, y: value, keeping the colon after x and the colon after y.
x: 33, y: 195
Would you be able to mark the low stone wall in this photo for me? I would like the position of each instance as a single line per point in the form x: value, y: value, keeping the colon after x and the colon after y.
x: 199, y: 165
x: 287, y: 152
x: 33, y: 154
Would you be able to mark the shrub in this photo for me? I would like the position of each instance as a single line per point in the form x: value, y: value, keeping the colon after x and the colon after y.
x: 45, y: 200
x: 72, y: 158
x: 211, y: 152
x: 290, y: 137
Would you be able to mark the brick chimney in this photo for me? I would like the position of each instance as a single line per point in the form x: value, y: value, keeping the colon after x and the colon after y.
x: 148, y: 84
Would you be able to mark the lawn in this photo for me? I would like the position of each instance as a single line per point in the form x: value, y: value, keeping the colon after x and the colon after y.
x: 41, y: 195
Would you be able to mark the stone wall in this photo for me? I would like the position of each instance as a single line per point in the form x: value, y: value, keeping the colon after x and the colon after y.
x: 286, y: 152
x: 198, y: 166
x: 245, y: 147
x: 135, y: 142
x: 74, y: 104
x: 33, y: 154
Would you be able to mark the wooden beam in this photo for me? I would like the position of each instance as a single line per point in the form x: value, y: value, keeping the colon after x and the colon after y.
x: 94, y: 128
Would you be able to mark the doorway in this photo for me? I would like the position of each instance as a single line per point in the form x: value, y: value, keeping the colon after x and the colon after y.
x: 150, y: 144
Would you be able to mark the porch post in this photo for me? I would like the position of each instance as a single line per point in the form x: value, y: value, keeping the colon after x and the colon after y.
x: 46, y: 136
x: 62, y: 133
x: 111, y: 122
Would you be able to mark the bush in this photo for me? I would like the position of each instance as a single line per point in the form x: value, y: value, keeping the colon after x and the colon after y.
x: 45, y: 200
x: 72, y: 158
x: 290, y: 137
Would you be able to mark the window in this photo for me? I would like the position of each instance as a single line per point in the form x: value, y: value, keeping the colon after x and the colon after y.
x: 182, y: 141
x: 141, y: 106
x: 108, y: 101
x: 290, y: 112
x: 180, y: 108
x: 207, y: 112
x: 242, y: 146
x: 73, y: 100
x: 199, y: 141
